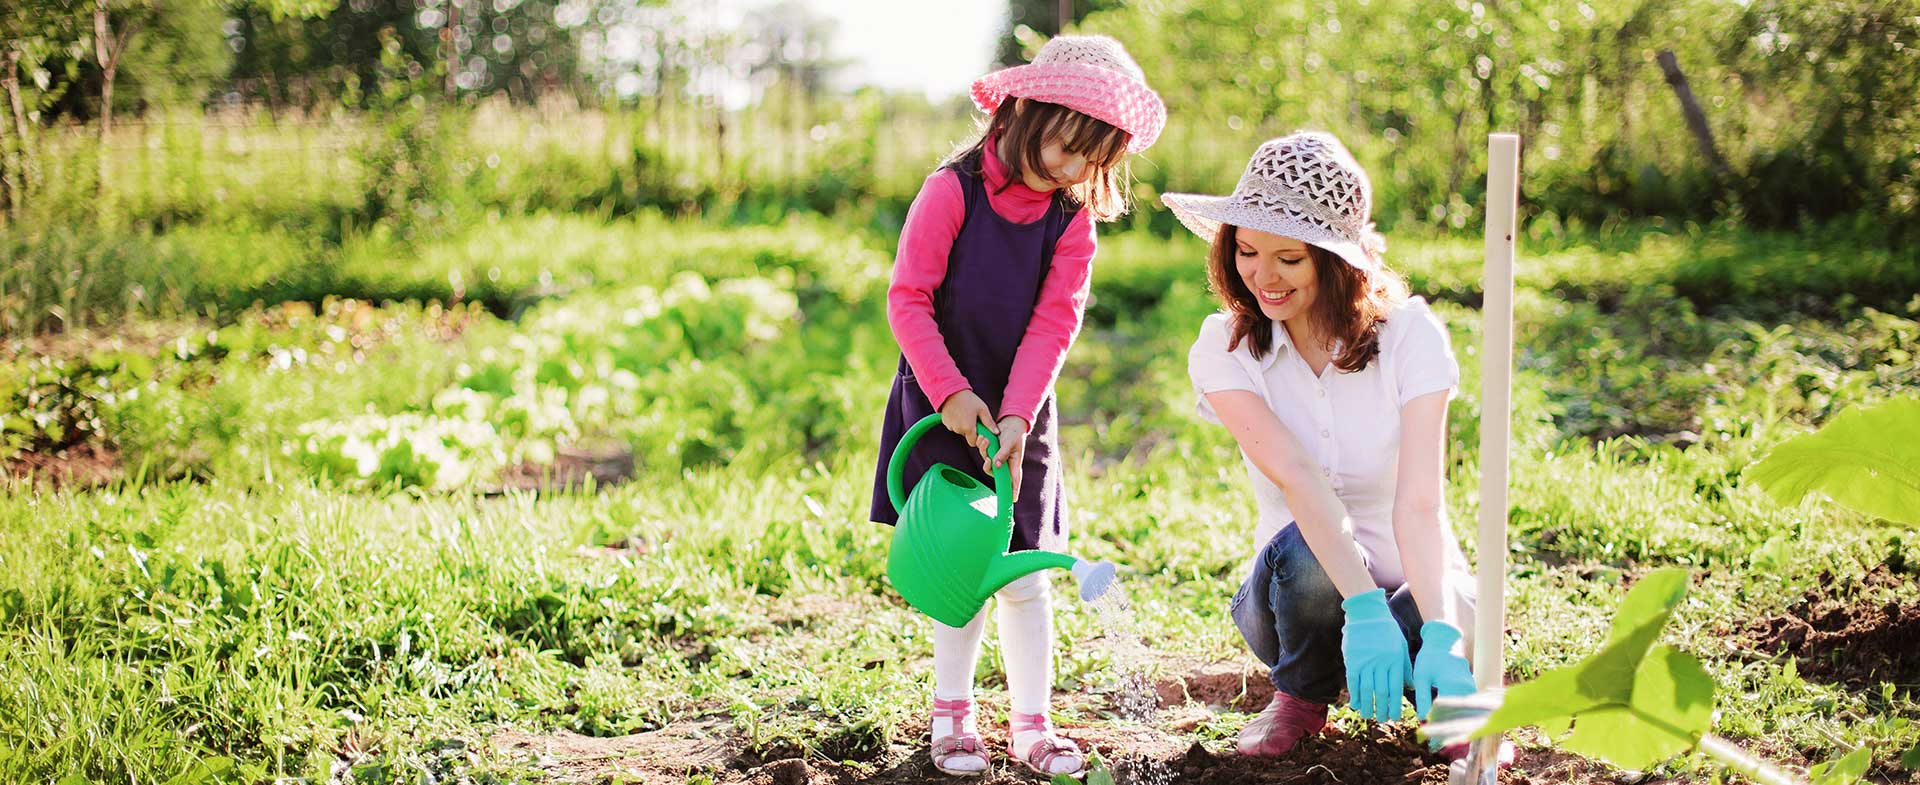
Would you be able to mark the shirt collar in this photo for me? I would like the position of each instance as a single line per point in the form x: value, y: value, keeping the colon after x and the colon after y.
x: 995, y: 174
x: 1283, y: 344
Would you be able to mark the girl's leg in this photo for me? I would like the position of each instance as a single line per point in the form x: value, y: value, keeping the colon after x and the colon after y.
x: 1026, y: 651
x: 1026, y: 641
x: 956, y: 650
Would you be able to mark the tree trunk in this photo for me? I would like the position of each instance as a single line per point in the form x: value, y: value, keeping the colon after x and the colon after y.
x: 1696, y: 119
x: 453, y: 47
x: 109, y: 60
x: 107, y: 49
x: 13, y: 179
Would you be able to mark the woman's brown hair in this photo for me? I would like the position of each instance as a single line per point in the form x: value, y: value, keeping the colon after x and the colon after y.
x: 1020, y: 127
x: 1349, y: 311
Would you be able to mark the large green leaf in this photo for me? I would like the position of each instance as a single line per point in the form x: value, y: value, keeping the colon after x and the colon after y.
x: 1606, y: 678
x: 1866, y: 459
x: 1671, y: 708
x: 1632, y: 703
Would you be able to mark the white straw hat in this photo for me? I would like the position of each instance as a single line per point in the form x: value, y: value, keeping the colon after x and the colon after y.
x: 1305, y: 186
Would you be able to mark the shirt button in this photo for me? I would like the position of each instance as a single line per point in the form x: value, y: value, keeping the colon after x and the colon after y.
x: 1324, y: 433
x: 1327, y: 472
x: 1323, y: 392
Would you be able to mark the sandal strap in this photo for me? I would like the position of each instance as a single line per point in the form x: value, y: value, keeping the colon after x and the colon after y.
x: 1041, y: 755
x: 962, y: 743
x: 1023, y: 722
x: 956, y: 710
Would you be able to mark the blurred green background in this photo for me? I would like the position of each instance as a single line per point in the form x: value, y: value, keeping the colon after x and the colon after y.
x: 337, y: 119
x: 379, y: 374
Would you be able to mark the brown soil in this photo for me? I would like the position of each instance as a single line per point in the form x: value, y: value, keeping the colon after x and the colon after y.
x: 1137, y: 755
x: 1852, y: 634
x: 78, y: 467
x: 572, y: 467
x: 1242, y: 687
x: 1390, y: 755
x: 668, y: 755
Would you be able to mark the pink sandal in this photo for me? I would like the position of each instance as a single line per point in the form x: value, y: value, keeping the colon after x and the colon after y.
x: 1041, y: 755
x: 958, y: 743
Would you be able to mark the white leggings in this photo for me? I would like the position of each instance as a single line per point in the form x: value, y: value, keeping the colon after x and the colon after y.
x: 1026, y: 646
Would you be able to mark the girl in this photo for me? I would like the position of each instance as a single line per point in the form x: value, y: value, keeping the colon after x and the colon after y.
x: 1335, y: 384
x: 988, y: 292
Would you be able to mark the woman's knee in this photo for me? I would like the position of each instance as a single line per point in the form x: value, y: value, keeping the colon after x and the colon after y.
x: 1298, y: 586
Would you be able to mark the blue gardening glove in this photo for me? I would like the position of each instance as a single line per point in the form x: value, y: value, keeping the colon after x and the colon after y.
x: 1376, y: 656
x: 1438, y: 669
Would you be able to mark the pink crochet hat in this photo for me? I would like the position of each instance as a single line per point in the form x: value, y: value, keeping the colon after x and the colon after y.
x: 1090, y: 74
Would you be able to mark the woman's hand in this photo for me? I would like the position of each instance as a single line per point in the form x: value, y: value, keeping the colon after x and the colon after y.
x: 961, y: 412
x: 1439, y: 669
x: 1013, y: 448
x: 1376, y: 656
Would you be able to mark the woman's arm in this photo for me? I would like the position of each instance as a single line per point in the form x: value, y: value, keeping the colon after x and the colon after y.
x: 1321, y: 516
x: 1419, y: 500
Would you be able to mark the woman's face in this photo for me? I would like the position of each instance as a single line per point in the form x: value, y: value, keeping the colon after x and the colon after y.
x: 1277, y: 270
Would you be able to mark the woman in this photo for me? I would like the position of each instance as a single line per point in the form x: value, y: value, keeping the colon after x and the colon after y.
x: 1335, y: 384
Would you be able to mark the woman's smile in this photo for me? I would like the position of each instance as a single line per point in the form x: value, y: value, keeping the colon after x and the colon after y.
x: 1276, y: 297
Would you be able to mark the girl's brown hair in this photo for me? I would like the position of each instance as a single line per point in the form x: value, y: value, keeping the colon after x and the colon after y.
x: 1021, y: 127
x: 1349, y: 311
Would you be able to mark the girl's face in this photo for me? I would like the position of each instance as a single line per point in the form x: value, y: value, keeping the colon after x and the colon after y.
x: 1063, y: 169
x: 1277, y: 270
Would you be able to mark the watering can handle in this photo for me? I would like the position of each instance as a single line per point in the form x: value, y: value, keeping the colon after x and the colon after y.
x: 1002, y: 476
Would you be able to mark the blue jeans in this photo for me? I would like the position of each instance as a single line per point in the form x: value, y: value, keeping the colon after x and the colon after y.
x: 1289, y: 613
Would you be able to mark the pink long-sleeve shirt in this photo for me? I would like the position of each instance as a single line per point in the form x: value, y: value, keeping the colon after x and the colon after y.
x: 932, y: 224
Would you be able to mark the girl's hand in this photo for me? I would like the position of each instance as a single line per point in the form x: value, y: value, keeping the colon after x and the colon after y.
x: 1013, y: 448
x: 961, y: 412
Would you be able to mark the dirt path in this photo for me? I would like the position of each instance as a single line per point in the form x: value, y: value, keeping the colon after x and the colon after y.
x: 1164, y: 752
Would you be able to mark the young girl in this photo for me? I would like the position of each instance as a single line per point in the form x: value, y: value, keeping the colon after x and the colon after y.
x: 988, y: 293
x: 1335, y: 384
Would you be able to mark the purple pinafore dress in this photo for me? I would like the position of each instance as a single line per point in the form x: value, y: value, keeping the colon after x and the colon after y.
x: 994, y: 273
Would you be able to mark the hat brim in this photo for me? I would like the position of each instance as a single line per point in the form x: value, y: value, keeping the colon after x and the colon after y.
x: 1112, y: 97
x: 1204, y: 215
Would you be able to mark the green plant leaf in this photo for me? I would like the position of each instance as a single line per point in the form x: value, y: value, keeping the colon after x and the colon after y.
x: 1911, y: 760
x: 1608, y: 678
x: 1867, y: 459
x: 1849, y: 769
x: 204, y: 771
x: 1670, y: 709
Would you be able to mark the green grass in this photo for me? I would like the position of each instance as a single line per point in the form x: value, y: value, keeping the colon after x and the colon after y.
x: 292, y: 620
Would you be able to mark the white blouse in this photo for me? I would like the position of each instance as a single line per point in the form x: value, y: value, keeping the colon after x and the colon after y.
x: 1348, y: 422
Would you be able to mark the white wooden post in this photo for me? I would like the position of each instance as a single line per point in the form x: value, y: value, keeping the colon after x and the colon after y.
x: 1496, y: 414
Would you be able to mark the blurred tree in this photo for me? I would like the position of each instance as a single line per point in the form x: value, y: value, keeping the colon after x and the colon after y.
x: 1840, y: 79
x: 1810, y: 104
x: 520, y: 48
x: 1040, y: 20
x: 789, y: 43
x: 38, y: 36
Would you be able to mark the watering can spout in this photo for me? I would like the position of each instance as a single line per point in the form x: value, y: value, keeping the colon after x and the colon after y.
x: 1008, y: 567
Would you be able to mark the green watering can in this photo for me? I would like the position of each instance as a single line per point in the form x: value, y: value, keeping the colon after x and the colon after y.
x: 950, y: 546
